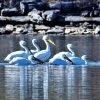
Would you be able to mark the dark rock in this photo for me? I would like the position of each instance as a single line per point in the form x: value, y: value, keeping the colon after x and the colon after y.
x: 41, y: 6
x: 66, y: 6
x: 1, y: 6
x: 76, y: 6
x: 26, y: 6
x: 3, y: 32
x: 9, y: 12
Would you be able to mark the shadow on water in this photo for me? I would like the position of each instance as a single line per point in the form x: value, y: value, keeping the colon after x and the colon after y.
x: 49, y: 82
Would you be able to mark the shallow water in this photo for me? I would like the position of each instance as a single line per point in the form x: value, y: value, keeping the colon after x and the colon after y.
x: 50, y: 82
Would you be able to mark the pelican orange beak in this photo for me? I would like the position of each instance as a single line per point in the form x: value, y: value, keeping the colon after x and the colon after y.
x: 50, y: 41
x: 39, y: 45
x: 89, y: 59
x: 38, y: 60
x: 28, y: 49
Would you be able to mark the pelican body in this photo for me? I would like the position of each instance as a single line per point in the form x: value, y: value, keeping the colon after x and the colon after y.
x: 23, y: 54
x: 23, y: 61
x: 72, y: 53
x: 44, y: 55
x: 84, y: 60
x: 61, y: 60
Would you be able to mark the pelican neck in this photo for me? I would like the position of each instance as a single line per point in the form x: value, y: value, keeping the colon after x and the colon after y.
x: 47, y: 46
x: 37, y: 47
x: 72, y: 51
x: 26, y: 49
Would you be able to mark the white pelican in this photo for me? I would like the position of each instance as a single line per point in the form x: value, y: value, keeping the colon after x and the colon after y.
x: 61, y: 60
x: 72, y: 53
x: 24, y: 54
x: 45, y: 54
x: 23, y: 61
x: 84, y: 60
x: 36, y: 44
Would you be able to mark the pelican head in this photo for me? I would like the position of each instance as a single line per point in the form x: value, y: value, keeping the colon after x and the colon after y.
x: 31, y: 57
x: 34, y: 41
x: 46, y: 38
x: 85, y: 57
x: 22, y: 43
x: 70, y: 46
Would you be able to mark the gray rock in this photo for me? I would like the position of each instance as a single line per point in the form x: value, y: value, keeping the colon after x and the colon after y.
x: 50, y: 15
x: 55, y: 6
x: 85, y: 13
x: 35, y: 11
x: 36, y: 18
x: 55, y: 31
x: 23, y: 19
x: 97, y: 30
x: 72, y: 19
x: 9, y: 12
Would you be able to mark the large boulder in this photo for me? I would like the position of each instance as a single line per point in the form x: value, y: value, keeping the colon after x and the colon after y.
x: 26, y: 6
x: 41, y: 5
x: 36, y: 19
x: 35, y: 16
x: 66, y: 7
x: 35, y: 11
x: 9, y: 12
x: 50, y: 15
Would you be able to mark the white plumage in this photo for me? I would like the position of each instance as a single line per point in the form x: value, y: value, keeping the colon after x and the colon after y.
x: 23, y: 61
x: 72, y: 53
x: 36, y: 44
x: 61, y: 60
x: 84, y: 60
x: 45, y: 54
x: 23, y: 54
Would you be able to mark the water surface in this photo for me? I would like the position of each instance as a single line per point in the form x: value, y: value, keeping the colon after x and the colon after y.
x: 50, y: 82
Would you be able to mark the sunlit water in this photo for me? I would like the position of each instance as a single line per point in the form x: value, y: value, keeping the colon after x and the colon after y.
x: 51, y: 82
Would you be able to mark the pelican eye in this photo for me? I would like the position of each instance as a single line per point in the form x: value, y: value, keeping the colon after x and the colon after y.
x: 24, y: 44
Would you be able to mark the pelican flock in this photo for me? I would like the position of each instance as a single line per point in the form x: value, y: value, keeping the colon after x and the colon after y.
x: 39, y: 55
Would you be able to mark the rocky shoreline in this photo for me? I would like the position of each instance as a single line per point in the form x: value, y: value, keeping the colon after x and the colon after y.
x: 48, y: 21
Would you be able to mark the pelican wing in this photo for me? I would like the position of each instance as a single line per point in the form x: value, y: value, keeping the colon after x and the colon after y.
x: 20, y: 61
x: 77, y: 61
x: 15, y: 54
x: 43, y: 55
x: 55, y: 61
